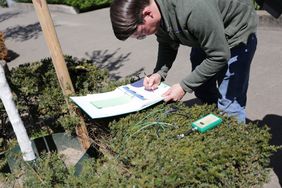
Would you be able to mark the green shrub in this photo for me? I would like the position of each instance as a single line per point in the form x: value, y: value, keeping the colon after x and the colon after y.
x: 230, y: 155
x: 145, y: 153
x: 3, y: 3
x: 141, y: 149
x: 257, y: 7
x: 39, y: 97
x: 88, y: 4
x: 82, y: 6
x: 85, y: 5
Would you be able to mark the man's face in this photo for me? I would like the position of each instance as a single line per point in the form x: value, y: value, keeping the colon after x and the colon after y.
x: 151, y: 22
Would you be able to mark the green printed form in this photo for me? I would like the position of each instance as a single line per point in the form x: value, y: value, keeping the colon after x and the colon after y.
x: 111, y: 102
x: 162, y: 85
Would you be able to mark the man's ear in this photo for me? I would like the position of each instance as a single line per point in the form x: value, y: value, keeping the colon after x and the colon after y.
x: 147, y: 12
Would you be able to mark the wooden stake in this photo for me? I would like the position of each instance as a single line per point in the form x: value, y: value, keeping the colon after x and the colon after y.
x: 54, y: 47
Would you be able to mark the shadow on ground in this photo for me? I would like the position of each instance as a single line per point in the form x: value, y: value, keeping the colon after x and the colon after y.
x: 12, y: 55
x: 7, y: 16
x: 23, y: 33
x: 112, y: 61
x: 192, y: 102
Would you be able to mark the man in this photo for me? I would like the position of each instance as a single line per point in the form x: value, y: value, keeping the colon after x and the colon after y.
x: 220, y: 32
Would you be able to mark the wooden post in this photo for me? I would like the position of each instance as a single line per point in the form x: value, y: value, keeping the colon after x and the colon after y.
x: 54, y: 47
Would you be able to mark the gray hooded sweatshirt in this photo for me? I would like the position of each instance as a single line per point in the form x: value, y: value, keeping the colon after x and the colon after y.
x: 215, y: 26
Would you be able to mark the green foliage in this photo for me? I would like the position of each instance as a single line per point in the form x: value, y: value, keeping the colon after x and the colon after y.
x: 82, y: 6
x: 257, y: 7
x: 49, y: 170
x: 88, y: 4
x: 39, y: 97
x: 3, y: 3
x: 142, y: 149
x: 230, y: 155
x: 69, y: 122
x: 40, y: 100
x: 146, y: 153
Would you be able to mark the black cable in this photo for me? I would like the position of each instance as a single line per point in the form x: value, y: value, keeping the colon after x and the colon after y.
x: 180, y: 136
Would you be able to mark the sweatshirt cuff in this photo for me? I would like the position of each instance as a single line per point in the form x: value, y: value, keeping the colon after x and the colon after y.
x: 162, y: 74
x: 185, y: 87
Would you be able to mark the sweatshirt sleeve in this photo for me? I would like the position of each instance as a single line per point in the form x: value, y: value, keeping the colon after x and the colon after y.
x: 167, y: 51
x: 166, y: 57
x: 206, y: 25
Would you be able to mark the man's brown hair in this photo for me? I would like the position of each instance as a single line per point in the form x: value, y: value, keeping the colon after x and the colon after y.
x: 126, y: 15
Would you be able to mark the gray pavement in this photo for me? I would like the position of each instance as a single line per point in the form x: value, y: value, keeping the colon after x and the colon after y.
x: 90, y: 35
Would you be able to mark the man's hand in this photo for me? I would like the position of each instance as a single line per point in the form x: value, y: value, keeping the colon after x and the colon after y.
x: 175, y: 93
x: 152, y: 82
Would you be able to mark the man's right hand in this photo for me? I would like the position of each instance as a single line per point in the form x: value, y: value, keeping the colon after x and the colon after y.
x: 152, y: 82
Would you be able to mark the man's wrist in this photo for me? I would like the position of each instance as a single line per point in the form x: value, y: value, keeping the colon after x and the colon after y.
x: 162, y: 75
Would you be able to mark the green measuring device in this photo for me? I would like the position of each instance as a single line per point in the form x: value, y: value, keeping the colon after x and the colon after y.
x: 202, y: 125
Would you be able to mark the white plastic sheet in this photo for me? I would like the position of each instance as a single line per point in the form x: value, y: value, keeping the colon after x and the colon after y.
x: 15, y: 119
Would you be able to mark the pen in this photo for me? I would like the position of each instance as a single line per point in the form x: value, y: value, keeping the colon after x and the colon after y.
x: 146, y: 74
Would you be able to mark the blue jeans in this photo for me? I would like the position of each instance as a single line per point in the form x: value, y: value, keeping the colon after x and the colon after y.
x: 229, y: 87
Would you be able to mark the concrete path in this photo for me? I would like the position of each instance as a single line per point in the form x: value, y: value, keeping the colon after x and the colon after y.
x: 90, y: 35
